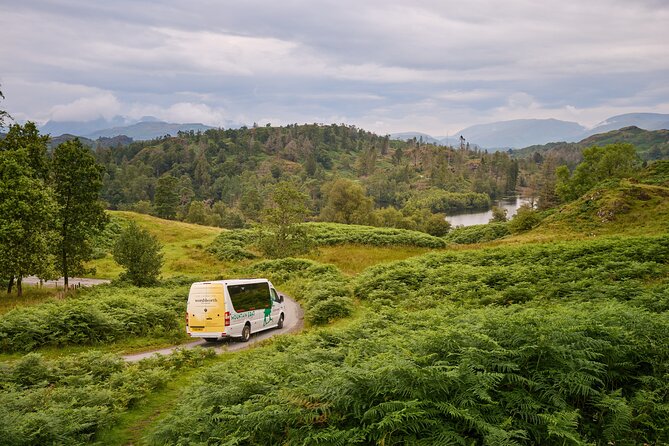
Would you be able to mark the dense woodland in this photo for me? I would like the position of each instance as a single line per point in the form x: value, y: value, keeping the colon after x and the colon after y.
x: 221, y: 177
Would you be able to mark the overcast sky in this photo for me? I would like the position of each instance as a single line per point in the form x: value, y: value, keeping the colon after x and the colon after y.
x: 386, y: 66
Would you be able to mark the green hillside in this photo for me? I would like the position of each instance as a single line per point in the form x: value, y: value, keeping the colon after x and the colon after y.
x: 182, y: 246
x: 223, y: 177
x: 650, y: 144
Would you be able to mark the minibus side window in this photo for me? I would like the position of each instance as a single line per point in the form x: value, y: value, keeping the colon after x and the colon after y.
x: 248, y: 297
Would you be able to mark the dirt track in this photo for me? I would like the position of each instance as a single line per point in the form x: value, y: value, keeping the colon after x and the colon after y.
x: 293, y: 322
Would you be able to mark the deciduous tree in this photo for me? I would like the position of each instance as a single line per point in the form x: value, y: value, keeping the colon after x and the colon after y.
x: 286, y: 209
x: 27, y: 209
x: 77, y: 181
x: 599, y: 164
x: 346, y: 202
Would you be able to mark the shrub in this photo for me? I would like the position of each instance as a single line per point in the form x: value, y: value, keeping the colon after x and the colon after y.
x: 69, y: 400
x: 525, y: 219
x: 437, y: 225
x: 323, y: 290
x: 231, y: 245
x: 478, y: 233
x: 140, y: 254
x: 99, y: 316
x: 235, y: 244
x: 329, y: 309
x: 338, y: 234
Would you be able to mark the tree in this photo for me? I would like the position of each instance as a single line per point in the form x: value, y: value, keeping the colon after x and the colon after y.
x: 32, y: 147
x: 77, y: 180
x: 139, y: 252
x: 437, y: 225
x: 166, y: 198
x: 599, y: 163
x: 199, y: 213
x: 525, y: 219
x: 548, y: 197
x: 251, y: 203
x: 346, y: 202
x: 27, y: 209
x: 498, y: 215
x: 26, y: 137
x: 287, y: 208
x: 3, y: 114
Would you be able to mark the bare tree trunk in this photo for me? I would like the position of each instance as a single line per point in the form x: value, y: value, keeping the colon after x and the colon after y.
x: 19, y: 286
x: 65, y: 282
x: 10, y: 285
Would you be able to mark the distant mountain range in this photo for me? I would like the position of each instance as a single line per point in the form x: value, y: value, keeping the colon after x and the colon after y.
x: 520, y: 133
x: 650, y: 144
x: 147, y: 128
x: 406, y: 136
x: 500, y: 135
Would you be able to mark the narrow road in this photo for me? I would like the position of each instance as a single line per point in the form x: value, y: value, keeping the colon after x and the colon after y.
x: 72, y: 281
x: 294, y: 322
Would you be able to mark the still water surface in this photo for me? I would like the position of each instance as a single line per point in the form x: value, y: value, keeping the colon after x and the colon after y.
x: 511, y: 205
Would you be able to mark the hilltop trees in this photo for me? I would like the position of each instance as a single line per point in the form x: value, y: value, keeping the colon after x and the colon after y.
x: 240, y: 167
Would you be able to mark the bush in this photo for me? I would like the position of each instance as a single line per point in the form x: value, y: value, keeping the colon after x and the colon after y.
x: 325, y: 234
x: 231, y: 245
x: 140, y: 254
x: 100, y: 316
x: 437, y: 225
x: 69, y: 400
x: 329, y: 309
x: 478, y: 233
x: 323, y: 290
x: 525, y: 219
x: 234, y: 245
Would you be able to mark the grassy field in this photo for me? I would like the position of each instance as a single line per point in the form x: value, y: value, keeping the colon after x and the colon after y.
x: 183, y: 247
x: 31, y: 296
x: 352, y: 259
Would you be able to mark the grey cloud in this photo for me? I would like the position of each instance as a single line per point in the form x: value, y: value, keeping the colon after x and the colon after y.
x: 374, y: 62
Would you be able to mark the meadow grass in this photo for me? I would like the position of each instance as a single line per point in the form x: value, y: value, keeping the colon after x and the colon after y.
x: 352, y: 259
x: 32, y: 295
x: 183, y: 248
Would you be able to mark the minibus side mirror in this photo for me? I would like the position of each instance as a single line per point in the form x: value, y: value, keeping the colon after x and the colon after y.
x: 280, y: 298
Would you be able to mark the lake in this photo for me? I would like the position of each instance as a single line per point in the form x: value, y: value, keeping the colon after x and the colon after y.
x: 511, y: 205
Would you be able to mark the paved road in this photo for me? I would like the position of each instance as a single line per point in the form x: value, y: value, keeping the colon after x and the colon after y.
x: 32, y: 280
x: 294, y: 322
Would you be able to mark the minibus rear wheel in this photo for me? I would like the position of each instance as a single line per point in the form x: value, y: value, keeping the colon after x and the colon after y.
x: 246, y: 333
